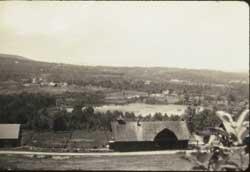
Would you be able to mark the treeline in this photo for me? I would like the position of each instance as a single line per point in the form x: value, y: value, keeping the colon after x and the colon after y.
x: 23, y: 108
x: 86, y: 118
x: 240, y: 91
x: 39, y: 112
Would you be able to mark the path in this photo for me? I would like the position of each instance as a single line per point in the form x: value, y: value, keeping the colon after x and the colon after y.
x: 163, y: 152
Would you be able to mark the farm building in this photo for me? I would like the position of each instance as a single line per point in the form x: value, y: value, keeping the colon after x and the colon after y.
x: 149, y: 135
x: 10, y: 135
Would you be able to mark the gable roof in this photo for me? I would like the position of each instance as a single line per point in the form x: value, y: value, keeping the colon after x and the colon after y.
x: 147, y: 130
x: 9, y: 131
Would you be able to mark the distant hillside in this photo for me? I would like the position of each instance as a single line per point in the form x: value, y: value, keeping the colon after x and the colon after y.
x: 14, y: 57
x: 19, y: 68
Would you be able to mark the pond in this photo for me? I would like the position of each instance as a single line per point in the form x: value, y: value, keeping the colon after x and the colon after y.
x: 144, y: 109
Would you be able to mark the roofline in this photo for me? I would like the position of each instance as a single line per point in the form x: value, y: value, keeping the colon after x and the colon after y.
x: 181, y: 121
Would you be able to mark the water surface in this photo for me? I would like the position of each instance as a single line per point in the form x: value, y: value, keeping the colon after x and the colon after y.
x: 144, y: 109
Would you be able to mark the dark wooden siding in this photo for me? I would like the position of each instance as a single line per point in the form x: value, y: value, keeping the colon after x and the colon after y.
x: 10, y: 142
x: 148, y: 145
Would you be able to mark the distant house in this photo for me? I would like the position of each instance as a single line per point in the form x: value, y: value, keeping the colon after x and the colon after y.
x: 147, y: 82
x: 166, y: 92
x: 149, y: 135
x: 10, y: 135
x: 26, y: 85
x: 69, y: 109
x: 65, y: 84
x: 156, y: 95
x: 52, y: 84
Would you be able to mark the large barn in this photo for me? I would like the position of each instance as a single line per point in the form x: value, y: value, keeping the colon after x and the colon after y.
x: 10, y: 135
x: 149, y: 135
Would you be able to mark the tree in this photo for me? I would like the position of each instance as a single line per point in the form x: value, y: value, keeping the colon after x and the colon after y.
x: 158, y: 117
x: 148, y: 117
x: 204, y: 119
x: 174, y: 118
x: 189, y: 115
x: 90, y: 118
x: 41, y: 120
x: 231, y: 98
x: 88, y: 110
x: 78, y: 117
x: 166, y: 117
x: 130, y: 115
x: 59, y: 123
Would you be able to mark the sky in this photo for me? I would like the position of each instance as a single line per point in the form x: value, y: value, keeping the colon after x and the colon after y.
x: 199, y: 35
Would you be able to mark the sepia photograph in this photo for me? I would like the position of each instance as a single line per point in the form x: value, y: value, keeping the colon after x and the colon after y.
x: 124, y: 85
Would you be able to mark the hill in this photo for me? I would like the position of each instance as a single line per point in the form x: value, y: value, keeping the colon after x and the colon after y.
x: 14, y: 57
x: 20, y: 69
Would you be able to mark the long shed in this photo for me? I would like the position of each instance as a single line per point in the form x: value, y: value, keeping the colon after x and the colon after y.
x: 150, y: 135
x: 10, y: 135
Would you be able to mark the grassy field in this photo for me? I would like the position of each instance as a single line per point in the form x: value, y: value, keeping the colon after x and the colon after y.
x: 166, y: 162
x: 149, y: 162
x: 81, y: 139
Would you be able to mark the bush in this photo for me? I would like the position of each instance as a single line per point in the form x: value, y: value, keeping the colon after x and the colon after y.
x: 60, y: 123
x: 206, y: 118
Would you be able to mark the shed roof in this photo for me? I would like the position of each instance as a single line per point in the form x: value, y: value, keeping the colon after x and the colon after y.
x: 9, y: 131
x: 148, y: 130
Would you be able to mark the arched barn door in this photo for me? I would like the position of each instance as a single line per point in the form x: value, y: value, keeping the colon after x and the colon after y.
x: 166, y: 139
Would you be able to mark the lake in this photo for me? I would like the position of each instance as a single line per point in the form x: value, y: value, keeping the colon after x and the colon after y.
x: 144, y: 109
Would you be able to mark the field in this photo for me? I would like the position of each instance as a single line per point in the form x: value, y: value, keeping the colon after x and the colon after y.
x: 148, y: 162
x: 49, y: 141
x: 144, y: 109
x: 155, y: 162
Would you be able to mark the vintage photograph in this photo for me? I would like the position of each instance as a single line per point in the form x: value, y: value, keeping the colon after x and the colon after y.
x: 124, y: 85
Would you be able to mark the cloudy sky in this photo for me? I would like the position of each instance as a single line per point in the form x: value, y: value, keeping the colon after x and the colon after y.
x: 211, y: 35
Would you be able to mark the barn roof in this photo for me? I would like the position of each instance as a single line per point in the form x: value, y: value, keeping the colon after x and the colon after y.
x: 147, y: 131
x: 9, y: 131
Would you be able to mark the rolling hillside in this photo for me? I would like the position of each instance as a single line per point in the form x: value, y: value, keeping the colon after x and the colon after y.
x: 19, y: 69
